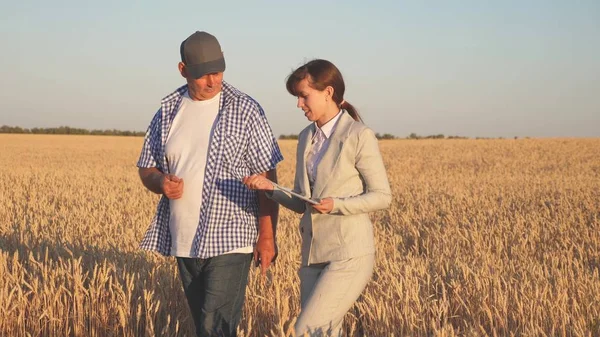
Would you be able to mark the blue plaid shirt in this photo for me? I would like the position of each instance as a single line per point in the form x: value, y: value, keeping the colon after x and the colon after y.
x: 242, y: 144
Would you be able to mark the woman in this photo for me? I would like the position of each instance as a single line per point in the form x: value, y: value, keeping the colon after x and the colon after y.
x: 339, y: 164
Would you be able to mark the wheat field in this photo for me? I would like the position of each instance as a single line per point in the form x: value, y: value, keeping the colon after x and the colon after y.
x: 483, y: 238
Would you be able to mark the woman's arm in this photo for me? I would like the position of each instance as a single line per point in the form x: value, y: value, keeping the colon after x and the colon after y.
x: 369, y: 164
x: 259, y: 182
x: 288, y: 201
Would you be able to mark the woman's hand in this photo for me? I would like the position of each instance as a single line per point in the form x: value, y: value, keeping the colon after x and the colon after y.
x: 258, y: 182
x: 324, y: 206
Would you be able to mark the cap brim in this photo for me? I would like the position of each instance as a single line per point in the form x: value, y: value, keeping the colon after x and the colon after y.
x: 198, y: 70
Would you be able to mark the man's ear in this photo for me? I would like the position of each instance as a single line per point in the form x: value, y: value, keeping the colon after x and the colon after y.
x: 182, y: 71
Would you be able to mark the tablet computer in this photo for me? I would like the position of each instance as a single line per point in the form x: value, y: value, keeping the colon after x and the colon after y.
x: 297, y: 195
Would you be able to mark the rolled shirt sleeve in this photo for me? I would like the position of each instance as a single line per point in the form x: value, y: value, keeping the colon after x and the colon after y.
x: 146, y: 159
x: 263, y: 150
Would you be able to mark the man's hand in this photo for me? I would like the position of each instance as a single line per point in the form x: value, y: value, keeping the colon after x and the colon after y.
x: 172, y: 186
x: 258, y: 182
x: 160, y: 183
x: 325, y: 206
x: 265, y: 253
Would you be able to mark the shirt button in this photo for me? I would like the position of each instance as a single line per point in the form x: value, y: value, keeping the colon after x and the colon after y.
x: 301, y: 229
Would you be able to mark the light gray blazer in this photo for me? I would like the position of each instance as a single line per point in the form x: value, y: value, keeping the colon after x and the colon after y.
x: 351, y: 172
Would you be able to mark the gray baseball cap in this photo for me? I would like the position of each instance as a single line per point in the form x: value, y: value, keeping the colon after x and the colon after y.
x: 201, y: 53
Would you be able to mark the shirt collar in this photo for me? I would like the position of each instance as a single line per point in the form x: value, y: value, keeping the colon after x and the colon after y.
x: 228, y: 92
x: 216, y: 98
x: 328, y: 128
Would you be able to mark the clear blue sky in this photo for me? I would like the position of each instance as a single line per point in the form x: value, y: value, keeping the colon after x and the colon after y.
x: 469, y: 68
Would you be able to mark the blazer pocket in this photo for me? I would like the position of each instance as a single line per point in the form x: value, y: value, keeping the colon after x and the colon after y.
x: 356, y: 231
x: 328, y: 232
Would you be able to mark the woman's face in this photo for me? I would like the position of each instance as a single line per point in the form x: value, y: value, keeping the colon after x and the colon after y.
x: 313, y: 102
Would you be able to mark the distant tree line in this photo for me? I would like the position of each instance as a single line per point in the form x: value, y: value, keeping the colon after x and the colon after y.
x: 379, y: 136
x: 290, y: 136
x: 386, y: 136
x: 67, y: 130
x: 438, y: 136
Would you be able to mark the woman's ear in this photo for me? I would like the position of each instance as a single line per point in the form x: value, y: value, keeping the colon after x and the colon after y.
x: 329, y: 91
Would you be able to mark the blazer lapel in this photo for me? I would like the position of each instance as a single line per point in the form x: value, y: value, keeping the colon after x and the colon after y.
x: 332, y: 154
x: 304, y: 148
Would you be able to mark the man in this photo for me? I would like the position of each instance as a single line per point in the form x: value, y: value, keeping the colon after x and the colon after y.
x: 204, y: 139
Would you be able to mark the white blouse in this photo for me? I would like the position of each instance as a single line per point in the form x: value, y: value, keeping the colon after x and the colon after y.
x: 320, y: 142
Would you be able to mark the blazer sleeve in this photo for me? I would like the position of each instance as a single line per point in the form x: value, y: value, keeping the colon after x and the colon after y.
x: 287, y: 200
x: 369, y: 164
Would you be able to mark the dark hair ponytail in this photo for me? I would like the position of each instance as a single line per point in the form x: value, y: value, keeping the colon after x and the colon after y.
x: 351, y: 111
x: 321, y: 74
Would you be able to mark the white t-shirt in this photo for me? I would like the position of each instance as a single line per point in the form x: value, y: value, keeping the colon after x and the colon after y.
x: 187, y: 150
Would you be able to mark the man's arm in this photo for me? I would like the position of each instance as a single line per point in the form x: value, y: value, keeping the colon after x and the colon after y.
x: 265, y: 251
x: 156, y: 181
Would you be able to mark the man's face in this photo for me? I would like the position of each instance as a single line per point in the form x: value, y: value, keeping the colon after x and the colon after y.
x: 205, y: 87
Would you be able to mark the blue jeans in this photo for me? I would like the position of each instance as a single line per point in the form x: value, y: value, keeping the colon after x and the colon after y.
x: 215, y: 290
